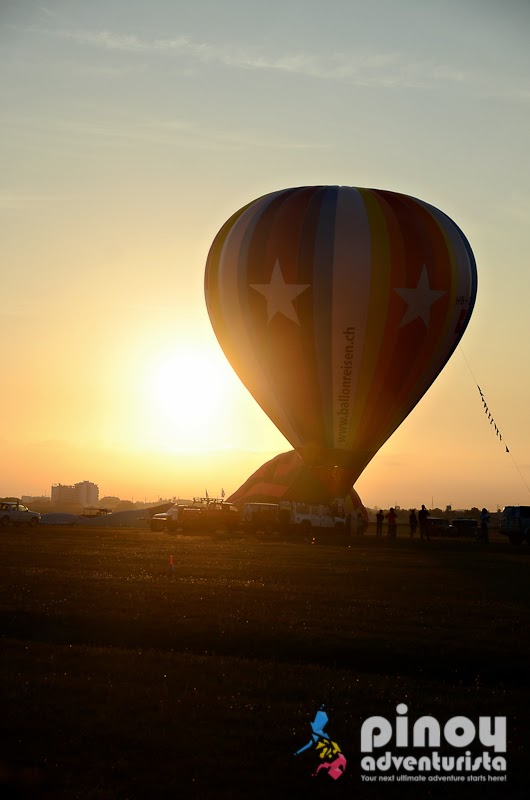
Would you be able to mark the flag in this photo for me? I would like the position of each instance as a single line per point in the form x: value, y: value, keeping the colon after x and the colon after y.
x: 490, y: 416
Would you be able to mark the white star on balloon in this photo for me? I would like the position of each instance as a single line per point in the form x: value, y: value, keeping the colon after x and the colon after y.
x: 280, y: 295
x: 419, y: 300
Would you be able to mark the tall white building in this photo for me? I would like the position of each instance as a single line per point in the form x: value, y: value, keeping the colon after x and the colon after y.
x: 84, y: 493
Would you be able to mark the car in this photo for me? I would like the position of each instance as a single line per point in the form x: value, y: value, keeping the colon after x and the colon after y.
x: 438, y: 526
x: 464, y: 527
x: 13, y: 512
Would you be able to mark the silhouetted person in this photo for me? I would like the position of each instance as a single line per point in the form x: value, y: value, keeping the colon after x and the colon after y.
x: 413, y: 522
x: 423, y: 516
x: 361, y: 524
x: 392, y: 523
x: 484, y: 523
x: 379, y: 518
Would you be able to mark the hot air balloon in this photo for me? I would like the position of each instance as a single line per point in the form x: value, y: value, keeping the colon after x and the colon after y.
x: 286, y: 477
x: 338, y: 307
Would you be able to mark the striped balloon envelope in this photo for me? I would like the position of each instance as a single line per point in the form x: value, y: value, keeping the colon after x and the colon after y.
x: 338, y: 307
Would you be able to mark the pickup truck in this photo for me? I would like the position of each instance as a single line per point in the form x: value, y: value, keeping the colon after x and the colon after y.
x: 205, y: 514
x: 13, y: 512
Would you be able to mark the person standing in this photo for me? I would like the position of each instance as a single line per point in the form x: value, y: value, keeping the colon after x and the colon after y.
x: 379, y: 517
x: 413, y: 522
x: 484, y: 525
x: 392, y: 523
x: 423, y: 516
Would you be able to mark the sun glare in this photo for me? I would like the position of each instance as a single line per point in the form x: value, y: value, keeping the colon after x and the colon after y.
x: 186, y: 396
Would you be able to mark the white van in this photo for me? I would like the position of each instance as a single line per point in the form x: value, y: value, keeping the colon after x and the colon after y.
x: 290, y: 517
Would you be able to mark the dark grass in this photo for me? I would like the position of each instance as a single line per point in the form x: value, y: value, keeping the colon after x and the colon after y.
x: 119, y: 681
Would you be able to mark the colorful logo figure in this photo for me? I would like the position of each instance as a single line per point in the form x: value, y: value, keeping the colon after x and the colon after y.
x: 326, y: 748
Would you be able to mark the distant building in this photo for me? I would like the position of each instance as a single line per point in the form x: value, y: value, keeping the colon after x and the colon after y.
x: 62, y: 494
x: 31, y: 498
x: 84, y: 494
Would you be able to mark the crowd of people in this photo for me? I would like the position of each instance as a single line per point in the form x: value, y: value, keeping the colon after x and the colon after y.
x: 420, y: 520
x: 415, y: 520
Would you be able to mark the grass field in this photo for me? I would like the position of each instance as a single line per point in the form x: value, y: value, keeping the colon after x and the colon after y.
x: 120, y: 681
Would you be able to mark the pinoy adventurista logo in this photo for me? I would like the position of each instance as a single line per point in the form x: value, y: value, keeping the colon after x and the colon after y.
x: 457, y: 751
x: 333, y: 761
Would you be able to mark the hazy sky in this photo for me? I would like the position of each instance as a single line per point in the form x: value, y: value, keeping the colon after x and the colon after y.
x: 132, y: 130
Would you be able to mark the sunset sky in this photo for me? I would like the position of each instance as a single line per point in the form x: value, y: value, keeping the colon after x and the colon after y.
x: 131, y: 131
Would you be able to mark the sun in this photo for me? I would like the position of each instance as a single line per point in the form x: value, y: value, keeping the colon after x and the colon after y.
x: 186, y: 395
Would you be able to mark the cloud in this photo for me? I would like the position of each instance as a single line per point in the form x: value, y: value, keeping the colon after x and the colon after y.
x: 47, y: 11
x: 104, y: 39
x: 362, y: 68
